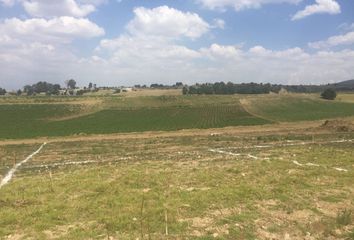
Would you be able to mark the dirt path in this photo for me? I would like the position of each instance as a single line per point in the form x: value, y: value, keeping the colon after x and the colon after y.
x: 246, y: 105
x: 305, y: 128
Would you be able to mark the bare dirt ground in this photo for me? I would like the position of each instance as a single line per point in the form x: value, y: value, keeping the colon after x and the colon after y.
x: 152, y: 92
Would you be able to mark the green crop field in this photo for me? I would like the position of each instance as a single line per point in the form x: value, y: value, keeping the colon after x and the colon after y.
x: 113, y: 120
x: 45, y: 116
x: 299, y: 108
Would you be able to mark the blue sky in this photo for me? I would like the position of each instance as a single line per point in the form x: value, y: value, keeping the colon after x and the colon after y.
x: 129, y: 42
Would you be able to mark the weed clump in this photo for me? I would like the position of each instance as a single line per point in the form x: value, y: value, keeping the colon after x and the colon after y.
x: 344, y: 217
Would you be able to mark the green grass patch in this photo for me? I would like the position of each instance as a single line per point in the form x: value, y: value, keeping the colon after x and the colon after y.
x: 300, y: 108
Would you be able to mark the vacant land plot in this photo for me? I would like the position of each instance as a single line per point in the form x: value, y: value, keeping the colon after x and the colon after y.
x: 221, y: 186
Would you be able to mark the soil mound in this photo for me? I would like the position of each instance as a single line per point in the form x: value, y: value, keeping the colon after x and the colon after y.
x: 338, y: 125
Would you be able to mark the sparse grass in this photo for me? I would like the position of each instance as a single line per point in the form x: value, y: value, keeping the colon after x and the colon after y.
x: 206, y: 194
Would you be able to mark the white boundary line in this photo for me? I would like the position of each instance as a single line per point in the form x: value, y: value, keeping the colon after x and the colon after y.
x: 290, y: 144
x: 224, y: 152
x: 233, y: 154
x: 316, y: 165
x: 74, y: 163
x: 10, y: 174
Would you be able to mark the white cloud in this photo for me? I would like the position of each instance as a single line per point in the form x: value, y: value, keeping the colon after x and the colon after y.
x: 345, y: 39
x: 45, y: 8
x: 7, y: 3
x: 62, y: 29
x: 216, y: 51
x: 290, y: 53
x: 57, y: 8
x: 134, y: 60
x: 239, y: 5
x: 150, y: 51
x: 321, y: 6
x: 218, y: 23
x: 167, y: 22
x: 38, y: 49
x: 139, y: 51
x: 346, y: 27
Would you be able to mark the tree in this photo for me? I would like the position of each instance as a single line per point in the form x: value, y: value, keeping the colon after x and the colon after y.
x: 179, y: 84
x: 90, y: 85
x: 329, y: 94
x: 71, y: 84
x: 2, y: 91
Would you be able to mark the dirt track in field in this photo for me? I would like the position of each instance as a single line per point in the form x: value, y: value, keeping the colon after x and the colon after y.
x: 306, y: 128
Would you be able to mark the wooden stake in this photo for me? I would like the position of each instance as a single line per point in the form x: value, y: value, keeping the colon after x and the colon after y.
x: 166, y: 222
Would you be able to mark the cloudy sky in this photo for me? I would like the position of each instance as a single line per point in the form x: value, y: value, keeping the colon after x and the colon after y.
x: 127, y: 42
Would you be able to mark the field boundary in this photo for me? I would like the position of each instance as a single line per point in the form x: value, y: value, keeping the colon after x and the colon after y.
x: 12, y: 171
x: 244, y: 104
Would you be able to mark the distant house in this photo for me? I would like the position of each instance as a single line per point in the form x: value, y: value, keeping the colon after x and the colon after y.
x: 69, y: 92
x: 127, y: 89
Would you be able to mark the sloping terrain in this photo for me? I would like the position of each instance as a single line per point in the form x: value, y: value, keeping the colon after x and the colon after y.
x: 104, y: 115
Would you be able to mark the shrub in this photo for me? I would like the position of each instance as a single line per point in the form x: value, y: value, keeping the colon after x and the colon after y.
x: 329, y: 94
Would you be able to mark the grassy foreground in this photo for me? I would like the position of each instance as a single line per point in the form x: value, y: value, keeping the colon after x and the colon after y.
x: 203, y: 187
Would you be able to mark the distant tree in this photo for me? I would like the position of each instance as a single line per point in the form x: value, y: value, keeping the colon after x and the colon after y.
x: 156, y: 85
x: 71, y: 84
x: 41, y: 87
x: 179, y: 84
x: 90, y: 85
x: 28, y: 90
x: 329, y: 94
x: 2, y: 91
x: 185, y: 90
x: 19, y: 92
x: 54, y: 89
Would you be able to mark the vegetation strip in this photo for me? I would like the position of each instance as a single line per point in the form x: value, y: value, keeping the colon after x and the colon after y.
x: 75, y: 163
x: 10, y: 174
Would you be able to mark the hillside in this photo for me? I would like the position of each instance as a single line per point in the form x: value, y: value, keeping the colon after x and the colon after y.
x: 162, y: 113
x: 344, y: 86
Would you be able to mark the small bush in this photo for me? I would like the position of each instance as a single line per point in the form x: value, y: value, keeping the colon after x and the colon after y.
x: 329, y: 94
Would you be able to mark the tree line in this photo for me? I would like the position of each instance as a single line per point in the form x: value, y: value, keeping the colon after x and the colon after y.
x: 44, y: 87
x: 252, y: 88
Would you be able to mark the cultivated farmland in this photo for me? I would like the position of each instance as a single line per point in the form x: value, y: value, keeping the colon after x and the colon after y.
x: 102, y: 115
x: 177, y: 167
